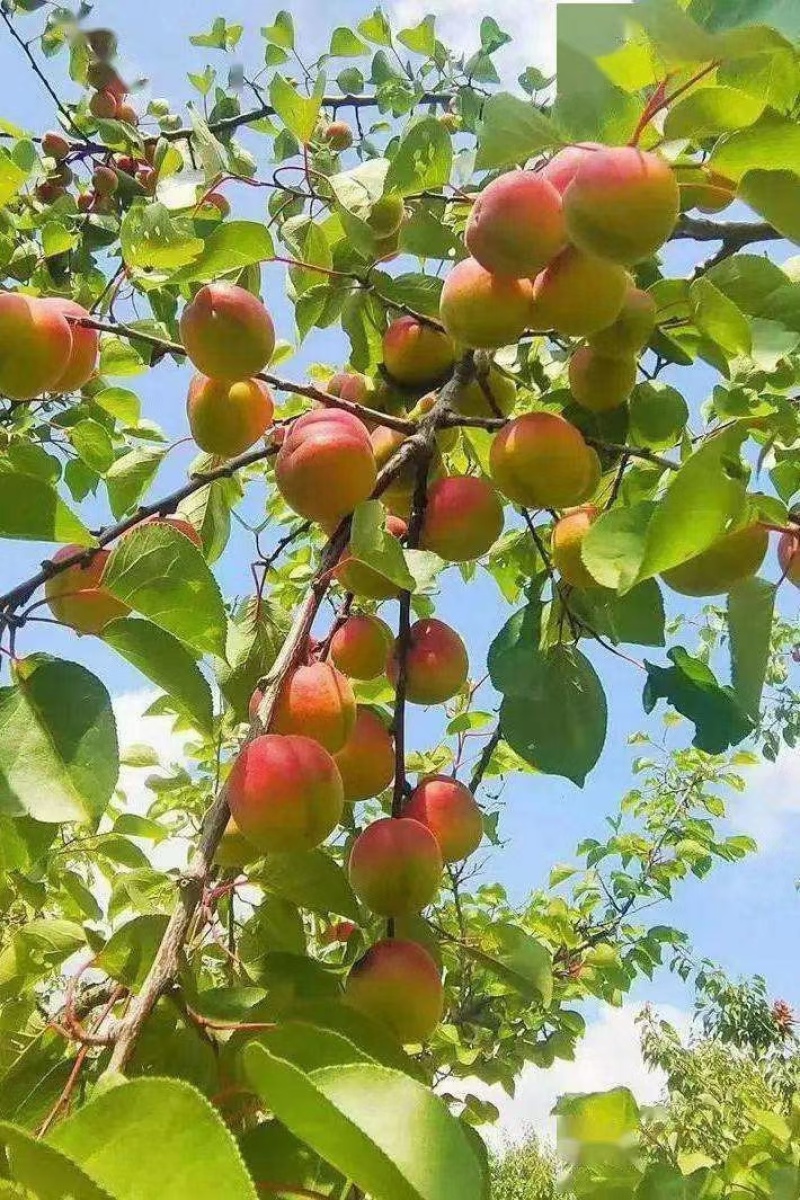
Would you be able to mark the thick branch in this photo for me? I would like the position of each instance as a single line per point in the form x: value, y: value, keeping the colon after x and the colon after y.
x: 734, y: 233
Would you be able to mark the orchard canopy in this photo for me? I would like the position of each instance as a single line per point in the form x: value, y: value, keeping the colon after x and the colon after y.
x: 550, y: 340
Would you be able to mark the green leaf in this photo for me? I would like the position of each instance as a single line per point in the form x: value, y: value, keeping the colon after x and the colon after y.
x: 358, y: 189
x: 422, y: 38
x: 376, y: 29
x: 708, y: 111
x: 345, y: 44
x: 255, y: 635
x: 48, y: 1174
x: 34, y: 951
x: 750, y: 610
x: 128, y: 954
x: 559, y: 724
x: 771, y: 144
x: 281, y: 33
x: 519, y: 960
x: 614, y: 546
x: 690, y: 686
x: 232, y: 246
x: 313, y: 881
x: 718, y: 318
x: 298, y: 113
x: 130, y: 477
x: 422, y: 1153
x: 153, y: 240
x: 162, y: 658
x: 271, y: 1152
x: 423, y: 159
x: 31, y: 510
x: 154, y: 1137
x: 775, y: 195
x: 221, y: 36
x: 371, y: 544
x: 59, y: 759
x: 158, y: 572
x: 636, y: 617
x: 515, y: 655
x: 657, y: 415
x: 93, y: 444
x: 15, y: 167
x: 596, y: 1118
x: 512, y: 131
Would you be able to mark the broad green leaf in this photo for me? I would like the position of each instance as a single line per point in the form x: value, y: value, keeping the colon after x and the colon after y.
x: 750, y: 611
x: 358, y: 189
x: 93, y: 444
x: 32, y: 510
x: 636, y: 617
x: 559, y: 724
x: 345, y: 44
x: 164, y: 659
x: 34, y: 951
x: 514, y: 655
x: 775, y: 195
x: 154, y: 1137
x: 596, y: 1118
x: 422, y: 38
x: 153, y: 240
x: 221, y: 36
x: 298, y: 113
x: 281, y: 32
x: 771, y: 144
x: 130, y: 477
x: 128, y: 954
x: 255, y: 635
x: 15, y: 167
x: 657, y: 415
x: 310, y: 1047
x: 376, y: 29
x: 271, y: 1152
x: 512, y: 131
x: 423, y: 159
x: 719, y: 319
x: 34, y: 1081
x: 708, y: 111
x: 212, y: 152
x: 613, y: 548
x: 371, y: 544
x: 232, y: 246
x: 690, y: 686
x: 59, y: 759
x: 419, y: 1153
x: 48, y: 1174
x: 159, y: 573
x: 518, y: 959
x: 313, y: 881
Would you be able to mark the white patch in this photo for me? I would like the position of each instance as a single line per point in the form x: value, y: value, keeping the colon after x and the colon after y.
x: 769, y: 810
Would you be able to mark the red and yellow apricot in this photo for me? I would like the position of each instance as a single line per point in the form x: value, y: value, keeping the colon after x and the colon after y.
x: 622, y: 203
x: 83, y: 353
x: 366, y: 762
x: 578, y: 294
x: 598, y: 382
x: 318, y: 701
x: 451, y: 813
x: 285, y: 793
x: 482, y: 310
x: 397, y: 984
x: 436, y: 663
x: 395, y: 866
x: 789, y: 556
x: 362, y: 580
x: 416, y: 354
x: 516, y: 225
x: 326, y: 466
x: 228, y: 418
x: 227, y: 332
x: 55, y: 145
x: 540, y: 460
x: 360, y: 647
x: 76, y: 596
x: 633, y: 328
x: 338, y: 136
x: 463, y: 518
x: 729, y: 560
x: 568, y: 535
x: 35, y: 345
x: 103, y: 104
x: 563, y: 167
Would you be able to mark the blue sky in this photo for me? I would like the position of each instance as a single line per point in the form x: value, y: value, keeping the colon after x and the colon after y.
x: 740, y: 916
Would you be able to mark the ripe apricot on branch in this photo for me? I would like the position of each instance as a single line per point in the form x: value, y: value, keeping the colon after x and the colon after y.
x: 395, y: 866
x: 578, y: 294
x: 451, y: 813
x: 103, y: 105
x: 542, y: 461
x: 789, y: 556
x: 598, y: 382
x: 386, y: 215
x: 55, y: 145
x: 633, y: 328
x: 463, y: 518
x: 35, y: 345
x: 318, y: 701
x: 228, y: 418
x: 366, y: 762
x: 397, y: 984
x: 516, y: 225
x: 360, y: 647
x: 622, y: 203
x: 415, y: 354
x: 726, y: 562
x: 482, y: 310
x: 568, y: 535
x: 436, y: 663
x: 227, y: 332
x: 562, y: 167
x: 76, y: 596
x: 363, y: 580
x: 285, y: 793
x: 325, y: 466
x: 83, y: 354
x: 338, y: 136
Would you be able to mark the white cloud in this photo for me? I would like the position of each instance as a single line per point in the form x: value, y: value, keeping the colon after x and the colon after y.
x: 769, y: 810
x: 608, y: 1056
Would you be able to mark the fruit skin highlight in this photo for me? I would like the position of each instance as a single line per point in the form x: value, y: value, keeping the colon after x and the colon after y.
x: 398, y: 984
x: 366, y: 762
x: 789, y: 556
x: 76, y: 596
x: 516, y: 225
x: 463, y: 518
x: 360, y: 647
x: 726, y: 562
x: 451, y: 813
x: 228, y: 418
x: 395, y: 867
x: 285, y: 793
x: 541, y: 461
x: 578, y: 294
x: 326, y: 466
x: 35, y: 346
x: 415, y: 354
x: 317, y: 701
x: 227, y: 332
x: 600, y: 383
x: 436, y: 663
x: 355, y: 576
x: 568, y: 535
x: 481, y: 310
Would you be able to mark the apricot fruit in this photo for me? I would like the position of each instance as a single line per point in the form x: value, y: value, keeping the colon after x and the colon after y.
x: 386, y: 215
x: 105, y: 181
x: 35, y: 345
x: 726, y: 562
x: 633, y: 328
x: 568, y: 535
x: 340, y: 931
x: 436, y: 663
x: 103, y: 105
x: 578, y: 294
x: 516, y: 225
x: 395, y: 867
x: 600, y: 383
x: 451, y: 813
x: 472, y: 400
x: 55, y: 145
x: 350, y: 385
x: 563, y: 167
x: 227, y: 332
x: 622, y: 203
x: 541, y: 461
x: 360, y: 647
x: 482, y: 310
x: 415, y: 354
x: 76, y: 596
x: 228, y: 418
x: 127, y: 113
x: 362, y: 580
x: 83, y: 353
x: 338, y: 136
x: 366, y: 762
x: 318, y: 701
x: 234, y: 850
x: 397, y: 984
x: 326, y: 466
x: 789, y: 556
x: 285, y: 793
x: 463, y: 518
